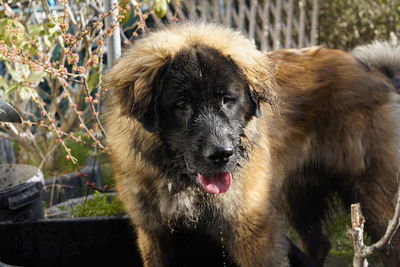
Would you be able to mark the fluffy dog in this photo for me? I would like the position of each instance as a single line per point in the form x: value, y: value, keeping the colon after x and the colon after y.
x: 338, y: 137
x: 192, y: 162
x: 209, y: 135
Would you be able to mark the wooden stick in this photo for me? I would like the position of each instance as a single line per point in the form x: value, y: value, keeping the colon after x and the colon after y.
x: 361, y: 251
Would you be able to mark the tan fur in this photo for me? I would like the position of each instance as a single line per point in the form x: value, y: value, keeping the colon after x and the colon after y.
x: 334, y: 114
x: 246, y: 206
x: 340, y: 116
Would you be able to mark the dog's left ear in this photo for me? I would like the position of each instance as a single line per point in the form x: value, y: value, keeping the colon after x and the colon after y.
x: 259, y: 72
x: 254, y: 103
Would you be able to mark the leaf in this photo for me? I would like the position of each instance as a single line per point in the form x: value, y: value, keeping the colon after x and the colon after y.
x: 15, y: 75
x: 18, y: 73
x: 37, y: 77
x: 93, y: 81
x: 160, y: 7
x: 25, y: 93
x: 18, y: 31
x: 3, y: 82
x: 36, y: 30
x: 12, y: 88
x: 127, y: 16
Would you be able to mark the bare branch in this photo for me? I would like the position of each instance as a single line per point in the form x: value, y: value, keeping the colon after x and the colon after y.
x: 356, y: 233
x: 92, y: 108
x: 390, y: 231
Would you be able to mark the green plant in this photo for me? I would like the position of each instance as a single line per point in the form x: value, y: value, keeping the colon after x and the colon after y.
x: 341, y: 245
x: 99, y: 205
x: 345, y: 24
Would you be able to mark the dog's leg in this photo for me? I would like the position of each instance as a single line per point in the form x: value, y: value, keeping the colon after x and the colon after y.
x: 306, y: 205
x: 259, y: 243
x: 150, y: 250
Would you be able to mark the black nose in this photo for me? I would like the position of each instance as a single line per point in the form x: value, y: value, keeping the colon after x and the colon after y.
x: 219, y: 155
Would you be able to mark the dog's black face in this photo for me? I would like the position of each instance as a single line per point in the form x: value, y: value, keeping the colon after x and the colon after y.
x: 201, y: 105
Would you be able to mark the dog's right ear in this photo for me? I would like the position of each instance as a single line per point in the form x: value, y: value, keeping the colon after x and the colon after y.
x: 149, y: 117
x: 134, y: 84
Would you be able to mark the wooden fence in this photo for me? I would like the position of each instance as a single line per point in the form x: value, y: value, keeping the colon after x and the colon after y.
x: 272, y: 24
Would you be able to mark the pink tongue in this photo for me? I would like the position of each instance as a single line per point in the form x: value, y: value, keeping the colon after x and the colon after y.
x: 216, y: 184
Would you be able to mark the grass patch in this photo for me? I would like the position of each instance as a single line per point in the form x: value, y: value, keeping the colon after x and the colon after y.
x: 341, y: 245
x: 99, y: 205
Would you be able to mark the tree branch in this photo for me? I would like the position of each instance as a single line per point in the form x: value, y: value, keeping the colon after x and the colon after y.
x: 361, y: 251
x: 390, y: 231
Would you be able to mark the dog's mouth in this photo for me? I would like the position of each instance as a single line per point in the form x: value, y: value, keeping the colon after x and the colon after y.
x: 216, y: 183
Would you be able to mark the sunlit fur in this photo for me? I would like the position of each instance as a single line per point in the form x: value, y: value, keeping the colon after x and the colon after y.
x: 245, y: 216
x: 329, y: 126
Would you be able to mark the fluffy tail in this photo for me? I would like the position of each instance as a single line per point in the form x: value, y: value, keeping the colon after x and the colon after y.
x: 382, y: 55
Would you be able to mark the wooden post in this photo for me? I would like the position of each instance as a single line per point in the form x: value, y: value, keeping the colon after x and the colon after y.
x: 113, y: 42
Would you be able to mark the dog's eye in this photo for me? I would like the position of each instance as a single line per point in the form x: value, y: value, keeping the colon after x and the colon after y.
x: 228, y: 100
x: 181, y: 106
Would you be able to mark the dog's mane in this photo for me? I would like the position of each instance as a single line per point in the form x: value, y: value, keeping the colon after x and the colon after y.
x: 131, y: 78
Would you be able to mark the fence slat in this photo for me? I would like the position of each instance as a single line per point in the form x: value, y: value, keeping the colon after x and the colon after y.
x: 277, y: 14
x: 314, y: 23
x: 252, y: 19
x: 301, y: 25
x: 204, y: 11
x: 289, y: 24
x: 228, y: 13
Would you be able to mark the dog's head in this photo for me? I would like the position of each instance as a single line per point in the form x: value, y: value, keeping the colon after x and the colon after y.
x: 196, y: 87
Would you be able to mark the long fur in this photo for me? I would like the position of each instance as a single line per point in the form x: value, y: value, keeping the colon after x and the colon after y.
x: 336, y: 134
x: 382, y: 55
x: 339, y: 139
x: 245, y: 217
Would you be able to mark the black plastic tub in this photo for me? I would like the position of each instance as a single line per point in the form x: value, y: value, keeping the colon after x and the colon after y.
x: 20, y: 190
x: 94, y: 241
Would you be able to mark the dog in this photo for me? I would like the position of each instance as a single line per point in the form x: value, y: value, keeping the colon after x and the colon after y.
x: 192, y: 163
x: 338, y: 139
x: 213, y: 141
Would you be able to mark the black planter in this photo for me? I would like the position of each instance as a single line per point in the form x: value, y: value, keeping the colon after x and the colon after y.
x: 96, y: 241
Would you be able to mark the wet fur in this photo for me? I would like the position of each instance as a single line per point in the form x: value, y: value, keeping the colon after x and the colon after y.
x: 316, y: 123
x: 166, y: 203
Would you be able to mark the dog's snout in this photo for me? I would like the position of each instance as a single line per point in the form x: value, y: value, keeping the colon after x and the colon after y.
x: 219, y: 155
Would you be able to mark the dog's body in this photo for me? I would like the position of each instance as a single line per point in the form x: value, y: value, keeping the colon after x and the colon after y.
x: 206, y: 144
x: 339, y: 137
